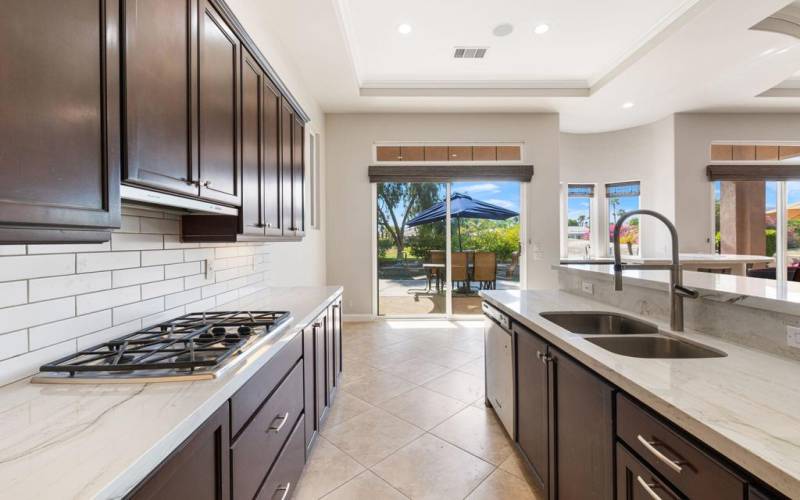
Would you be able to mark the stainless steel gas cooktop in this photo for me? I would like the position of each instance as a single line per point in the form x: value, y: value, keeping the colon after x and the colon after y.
x: 192, y: 347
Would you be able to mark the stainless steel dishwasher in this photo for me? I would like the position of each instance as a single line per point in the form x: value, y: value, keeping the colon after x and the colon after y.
x: 499, y: 365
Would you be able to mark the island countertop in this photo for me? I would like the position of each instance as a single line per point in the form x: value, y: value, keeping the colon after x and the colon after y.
x: 745, y: 405
x: 101, y: 440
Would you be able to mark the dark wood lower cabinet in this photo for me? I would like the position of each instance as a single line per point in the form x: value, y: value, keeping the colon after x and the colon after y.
x: 636, y: 481
x: 255, y: 445
x: 199, y: 469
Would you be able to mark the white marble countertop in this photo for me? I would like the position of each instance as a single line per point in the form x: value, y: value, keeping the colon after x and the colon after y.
x: 99, y: 441
x: 751, y: 292
x: 745, y: 405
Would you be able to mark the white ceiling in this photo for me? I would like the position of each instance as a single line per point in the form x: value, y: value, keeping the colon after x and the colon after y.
x: 666, y: 56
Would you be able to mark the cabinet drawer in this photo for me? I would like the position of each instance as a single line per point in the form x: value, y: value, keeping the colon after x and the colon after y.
x: 254, y: 451
x: 634, y: 479
x: 250, y: 396
x: 459, y: 153
x: 282, y: 479
x: 686, y: 466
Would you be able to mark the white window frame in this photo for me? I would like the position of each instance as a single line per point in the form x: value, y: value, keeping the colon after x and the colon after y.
x: 606, y: 239
x: 314, y: 180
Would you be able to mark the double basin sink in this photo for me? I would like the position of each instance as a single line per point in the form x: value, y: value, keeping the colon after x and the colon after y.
x: 628, y: 336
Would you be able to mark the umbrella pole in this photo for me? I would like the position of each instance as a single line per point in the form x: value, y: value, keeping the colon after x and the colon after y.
x: 458, y: 221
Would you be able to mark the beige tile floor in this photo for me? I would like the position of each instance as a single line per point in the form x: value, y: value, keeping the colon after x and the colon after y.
x: 409, y: 420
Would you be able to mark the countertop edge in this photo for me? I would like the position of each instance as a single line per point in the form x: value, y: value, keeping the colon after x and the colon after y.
x: 758, y: 466
x: 128, y: 479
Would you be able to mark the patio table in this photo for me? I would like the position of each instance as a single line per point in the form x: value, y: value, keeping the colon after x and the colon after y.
x: 429, y: 267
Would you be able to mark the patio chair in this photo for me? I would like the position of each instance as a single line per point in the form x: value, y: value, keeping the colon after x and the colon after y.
x: 436, y: 257
x: 485, y: 270
x: 458, y: 263
x: 514, y: 264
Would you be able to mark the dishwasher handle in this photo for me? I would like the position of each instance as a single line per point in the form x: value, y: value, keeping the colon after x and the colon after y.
x: 498, y: 317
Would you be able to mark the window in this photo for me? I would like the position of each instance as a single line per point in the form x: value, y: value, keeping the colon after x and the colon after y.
x: 579, y: 221
x: 623, y: 197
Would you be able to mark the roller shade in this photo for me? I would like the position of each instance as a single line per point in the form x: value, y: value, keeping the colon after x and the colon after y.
x: 741, y: 172
x: 580, y: 190
x: 449, y: 173
x: 622, y: 189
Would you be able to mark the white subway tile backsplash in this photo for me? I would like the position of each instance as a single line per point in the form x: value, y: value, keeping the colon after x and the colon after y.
x: 72, y: 284
x: 137, y: 275
x: 13, y: 344
x: 13, y: 293
x: 56, y: 298
x: 18, y: 317
x: 92, y: 339
x: 107, y: 299
x: 123, y: 241
x: 181, y: 298
x: 123, y: 314
x: 160, y: 226
x: 88, y: 262
x: 158, y: 257
x: 160, y: 288
x: 35, y: 266
x: 12, y: 250
x: 53, y: 333
x: 185, y: 269
x: 26, y: 364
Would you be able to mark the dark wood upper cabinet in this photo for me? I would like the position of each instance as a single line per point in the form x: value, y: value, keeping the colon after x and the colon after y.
x: 287, y: 122
x: 271, y: 158
x: 218, y: 108
x: 252, y: 211
x: 59, y: 121
x: 199, y: 469
x: 160, y: 93
x: 298, y: 178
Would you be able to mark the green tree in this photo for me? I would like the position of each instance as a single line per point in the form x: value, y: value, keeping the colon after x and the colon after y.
x: 398, y: 202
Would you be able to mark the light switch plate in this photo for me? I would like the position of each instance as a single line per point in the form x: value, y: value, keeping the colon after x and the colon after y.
x: 587, y: 287
x: 793, y: 336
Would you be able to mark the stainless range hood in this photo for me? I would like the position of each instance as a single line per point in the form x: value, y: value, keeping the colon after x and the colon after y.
x: 170, y: 200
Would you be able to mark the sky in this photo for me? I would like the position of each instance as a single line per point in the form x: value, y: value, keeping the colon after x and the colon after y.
x: 578, y: 206
x: 792, y: 190
x: 502, y: 194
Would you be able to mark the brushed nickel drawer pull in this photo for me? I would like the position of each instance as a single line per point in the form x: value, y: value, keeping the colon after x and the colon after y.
x: 284, y: 489
x: 648, y: 487
x: 283, y: 418
x: 651, y: 447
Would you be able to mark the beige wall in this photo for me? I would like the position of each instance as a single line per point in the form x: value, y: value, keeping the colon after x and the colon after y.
x: 693, y: 136
x: 642, y: 153
x: 301, y: 263
x: 349, y: 206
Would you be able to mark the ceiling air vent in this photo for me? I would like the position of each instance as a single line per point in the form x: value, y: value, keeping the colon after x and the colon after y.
x: 470, y: 52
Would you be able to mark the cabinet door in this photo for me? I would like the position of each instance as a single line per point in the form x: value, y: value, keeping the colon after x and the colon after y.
x: 271, y: 163
x: 160, y: 56
x: 532, y: 402
x: 286, y: 167
x: 252, y: 211
x: 309, y: 388
x: 199, y: 469
x: 635, y: 481
x: 218, y: 59
x: 59, y: 118
x: 583, y: 431
x: 336, y: 324
x: 298, y: 178
x: 330, y: 365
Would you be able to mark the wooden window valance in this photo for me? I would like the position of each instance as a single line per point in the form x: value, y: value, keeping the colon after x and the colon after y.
x: 580, y: 190
x: 753, y: 172
x: 623, y: 189
x: 450, y: 173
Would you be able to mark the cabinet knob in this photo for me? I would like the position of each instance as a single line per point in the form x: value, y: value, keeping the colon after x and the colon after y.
x: 269, y: 224
x: 207, y: 183
x: 190, y: 182
x: 292, y: 229
x: 317, y: 324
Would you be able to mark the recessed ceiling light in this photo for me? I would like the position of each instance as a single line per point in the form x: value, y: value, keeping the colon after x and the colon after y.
x: 628, y: 105
x: 541, y: 29
x: 503, y: 29
x: 404, y: 29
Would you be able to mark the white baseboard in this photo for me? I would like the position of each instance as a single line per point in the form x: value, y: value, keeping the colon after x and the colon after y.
x: 359, y: 317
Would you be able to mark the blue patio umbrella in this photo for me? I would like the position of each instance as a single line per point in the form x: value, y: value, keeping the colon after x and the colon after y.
x: 461, y: 207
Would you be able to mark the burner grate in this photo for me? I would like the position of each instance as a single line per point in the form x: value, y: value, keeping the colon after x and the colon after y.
x: 187, y: 343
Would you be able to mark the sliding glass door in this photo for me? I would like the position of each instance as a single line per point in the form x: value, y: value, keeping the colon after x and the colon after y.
x: 439, y: 244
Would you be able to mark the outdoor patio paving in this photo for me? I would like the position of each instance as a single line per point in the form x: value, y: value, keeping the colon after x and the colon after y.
x: 411, y: 297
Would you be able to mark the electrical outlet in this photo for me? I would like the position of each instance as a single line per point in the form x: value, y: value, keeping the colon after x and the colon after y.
x: 793, y: 336
x: 587, y: 287
x: 209, y: 268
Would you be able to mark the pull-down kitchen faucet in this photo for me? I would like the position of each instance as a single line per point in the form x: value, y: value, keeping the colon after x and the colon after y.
x: 676, y: 289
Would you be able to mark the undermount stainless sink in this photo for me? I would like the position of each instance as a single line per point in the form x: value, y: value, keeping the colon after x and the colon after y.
x: 599, y: 323
x: 656, y: 346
